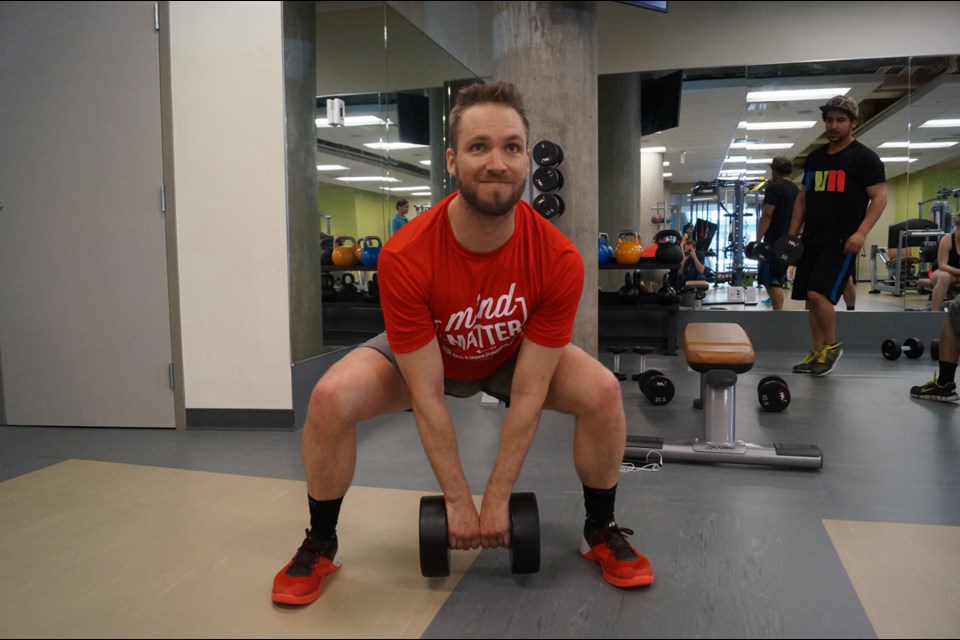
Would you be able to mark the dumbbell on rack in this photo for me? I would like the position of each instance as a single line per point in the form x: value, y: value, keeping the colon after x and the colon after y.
x: 656, y: 387
x: 911, y: 347
x: 616, y: 351
x: 773, y: 394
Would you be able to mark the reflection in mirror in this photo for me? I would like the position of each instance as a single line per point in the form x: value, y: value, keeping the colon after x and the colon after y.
x: 384, y: 149
x: 728, y: 118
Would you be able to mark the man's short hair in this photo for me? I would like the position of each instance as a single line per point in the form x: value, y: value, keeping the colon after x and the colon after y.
x: 781, y: 164
x: 401, y: 202
x: 498, y: 92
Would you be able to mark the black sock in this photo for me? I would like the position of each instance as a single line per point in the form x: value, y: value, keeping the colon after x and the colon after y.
x: 323, y: 517
x: 599, y: 504
x: 948, y: 372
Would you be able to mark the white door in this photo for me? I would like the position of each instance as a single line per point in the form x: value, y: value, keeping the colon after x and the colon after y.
x: 84, y: 322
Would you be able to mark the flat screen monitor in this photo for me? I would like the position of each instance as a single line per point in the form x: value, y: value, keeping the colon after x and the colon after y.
x: 660, y: 103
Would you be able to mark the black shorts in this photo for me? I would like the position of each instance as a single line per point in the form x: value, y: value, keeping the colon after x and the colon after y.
x: 771, y: 273
x: 497, y: 385
x: 823, y: 268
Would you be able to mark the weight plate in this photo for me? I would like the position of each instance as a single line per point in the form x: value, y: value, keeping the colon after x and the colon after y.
x: 434, y: 546
x: 548, y: 205
x: 524, y: 533
x: 547, y: 154
x: 547, y: 179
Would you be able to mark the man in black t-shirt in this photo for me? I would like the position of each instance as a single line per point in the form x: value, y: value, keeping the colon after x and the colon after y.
x: 843, y: 194
x: 778, y: 199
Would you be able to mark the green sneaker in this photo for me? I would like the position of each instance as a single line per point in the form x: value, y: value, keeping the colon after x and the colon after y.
x: 933, y: 391
x: 827, y: 359
x: 806, y: 364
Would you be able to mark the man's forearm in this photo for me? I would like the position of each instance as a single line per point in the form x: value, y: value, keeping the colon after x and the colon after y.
x: 519, y: 428
x: 439, y: 438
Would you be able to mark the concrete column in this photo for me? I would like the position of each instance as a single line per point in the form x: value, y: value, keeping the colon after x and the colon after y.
x: 619, y: 155
x: 548, y: 49
x: 303, y: 223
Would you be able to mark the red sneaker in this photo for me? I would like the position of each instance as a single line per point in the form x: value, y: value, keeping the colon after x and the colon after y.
x: 301, y: 581
x: 623, y: 566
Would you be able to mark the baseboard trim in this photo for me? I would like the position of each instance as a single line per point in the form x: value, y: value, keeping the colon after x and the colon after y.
x: 241, y: 419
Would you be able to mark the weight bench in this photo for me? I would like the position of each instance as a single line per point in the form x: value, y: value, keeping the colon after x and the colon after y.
x: 693, y: 290
x: 719, y: 351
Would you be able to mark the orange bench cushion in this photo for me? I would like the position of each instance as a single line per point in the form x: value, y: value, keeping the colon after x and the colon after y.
x: 717, y: 345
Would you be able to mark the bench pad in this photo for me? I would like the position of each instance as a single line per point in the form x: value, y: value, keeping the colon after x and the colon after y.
x: 717, y: 345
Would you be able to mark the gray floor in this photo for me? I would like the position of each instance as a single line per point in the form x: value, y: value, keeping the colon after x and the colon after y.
x: 738, y: 551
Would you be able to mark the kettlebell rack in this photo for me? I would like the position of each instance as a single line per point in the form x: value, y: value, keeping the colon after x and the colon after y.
x: 649, y: 319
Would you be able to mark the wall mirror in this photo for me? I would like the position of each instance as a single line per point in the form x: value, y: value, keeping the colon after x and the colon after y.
x: 725, y: 133
x: 391, y: 142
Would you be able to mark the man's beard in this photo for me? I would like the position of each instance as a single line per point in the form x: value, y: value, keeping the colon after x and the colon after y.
x: 493, y: 207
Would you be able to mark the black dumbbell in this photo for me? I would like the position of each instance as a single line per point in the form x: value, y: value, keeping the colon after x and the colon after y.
x: 788, y: 249
x: 774, y: 394
x: 911, y: 347
x: 758, y: 250
x: 935, y: 349
x: 524, y: 535
x: 616, y: 351
x: 656, y: 387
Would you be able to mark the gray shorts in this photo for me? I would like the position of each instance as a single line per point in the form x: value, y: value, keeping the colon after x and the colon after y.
x: 498, y: 385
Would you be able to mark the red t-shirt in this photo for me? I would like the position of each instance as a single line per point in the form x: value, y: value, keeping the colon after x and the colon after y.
x: 478, y: 305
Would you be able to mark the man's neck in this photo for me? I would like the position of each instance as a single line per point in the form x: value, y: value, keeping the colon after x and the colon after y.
x: 840, y: 145
x: 476, y: 231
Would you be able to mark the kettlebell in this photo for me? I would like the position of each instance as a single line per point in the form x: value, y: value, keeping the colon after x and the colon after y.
x: 373, y: 288
x: 348, y: 286
x: 326, y: 249
x: 371, y: 251
x: 344, y: 255
x: 328, y: 289
x: 629, y: 293
x: 667, y: 294
x: 669, y: 250
x: 629, y: 249
x: 358, y: 249
x: 603, y: 243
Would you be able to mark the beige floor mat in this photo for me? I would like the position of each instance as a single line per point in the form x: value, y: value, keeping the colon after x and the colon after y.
x: 904, y: 575
x: 95, y: 549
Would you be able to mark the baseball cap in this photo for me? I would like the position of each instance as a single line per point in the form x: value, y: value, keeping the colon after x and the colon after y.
x: 843, y: 103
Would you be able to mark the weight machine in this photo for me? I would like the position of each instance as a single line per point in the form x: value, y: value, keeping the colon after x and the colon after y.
x: 732, y: 198
x: 904, y: 271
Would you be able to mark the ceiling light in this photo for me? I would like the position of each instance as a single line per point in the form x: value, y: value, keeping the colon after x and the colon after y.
x: 759, y: 160
x: 796, y: 94
x: 668, y: 175
x: 666, y: 163
x: 331, y: 167
x: 393, y: 146
x: 916, y: 145
x: 368, y: 179
x: 404, y: 188
x: 354, y: 121
x: 761, y: 146
x: 773, y: 126
x: 425, y: 194
x: 426, y: 162
x: 734, y: 159
x: 948, y: 122
x: 653, y: 150
x: 898, y: 159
